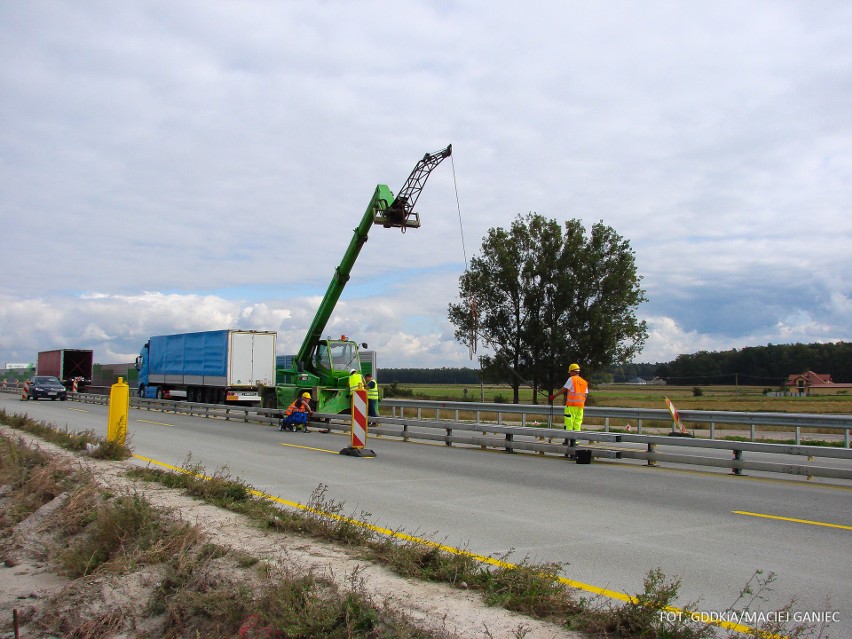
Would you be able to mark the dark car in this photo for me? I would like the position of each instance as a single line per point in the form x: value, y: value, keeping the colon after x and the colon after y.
x: 46, y: 386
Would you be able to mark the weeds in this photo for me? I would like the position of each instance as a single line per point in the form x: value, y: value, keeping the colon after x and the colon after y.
x: 121, y: 533
x: 83, y: 441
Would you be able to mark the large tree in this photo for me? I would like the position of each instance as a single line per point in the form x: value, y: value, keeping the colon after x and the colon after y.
x: 541, y: 295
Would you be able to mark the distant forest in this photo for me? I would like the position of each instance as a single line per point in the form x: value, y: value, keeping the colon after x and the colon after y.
x: 766, y: 366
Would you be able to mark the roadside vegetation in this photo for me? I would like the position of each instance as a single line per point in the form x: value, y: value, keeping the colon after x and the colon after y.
x: 532, y: 589
x: 205, y: 590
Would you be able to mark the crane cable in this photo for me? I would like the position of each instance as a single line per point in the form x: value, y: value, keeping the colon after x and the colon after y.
x: 474, y: 315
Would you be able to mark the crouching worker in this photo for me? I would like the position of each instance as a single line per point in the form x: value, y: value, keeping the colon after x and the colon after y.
x: 297, y: 414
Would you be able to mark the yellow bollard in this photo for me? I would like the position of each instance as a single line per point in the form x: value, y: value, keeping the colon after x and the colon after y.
x: 119, y: 407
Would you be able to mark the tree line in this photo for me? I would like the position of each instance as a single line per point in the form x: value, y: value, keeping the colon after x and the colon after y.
x: 767, y: 366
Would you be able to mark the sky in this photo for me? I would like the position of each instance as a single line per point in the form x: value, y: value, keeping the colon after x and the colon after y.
x: 174, y: 166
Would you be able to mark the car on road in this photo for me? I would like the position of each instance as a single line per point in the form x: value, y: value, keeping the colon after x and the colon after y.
x: 46, y: 386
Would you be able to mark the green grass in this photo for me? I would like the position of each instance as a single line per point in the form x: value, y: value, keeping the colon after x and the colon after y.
x: 77, y: 441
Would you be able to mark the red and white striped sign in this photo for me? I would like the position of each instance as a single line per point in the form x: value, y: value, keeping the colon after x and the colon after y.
x: 359, y: 418
x: 25, y: 390
x: 675, y: 415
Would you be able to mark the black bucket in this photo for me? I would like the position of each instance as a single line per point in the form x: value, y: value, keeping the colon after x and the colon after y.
x: 583, y: 456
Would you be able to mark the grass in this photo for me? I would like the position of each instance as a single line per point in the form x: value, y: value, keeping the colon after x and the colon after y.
x: 718, y: 398
x: 77, y: 441
x: 202, y: 590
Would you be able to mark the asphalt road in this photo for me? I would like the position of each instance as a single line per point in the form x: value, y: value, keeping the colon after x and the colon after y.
x: 608, y: 523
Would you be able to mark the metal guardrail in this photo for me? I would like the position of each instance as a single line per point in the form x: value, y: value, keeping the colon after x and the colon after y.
x: 556, y: 441
x: 527, y: 413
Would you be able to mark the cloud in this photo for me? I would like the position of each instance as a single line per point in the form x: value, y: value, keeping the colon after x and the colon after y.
x: 168, y: 169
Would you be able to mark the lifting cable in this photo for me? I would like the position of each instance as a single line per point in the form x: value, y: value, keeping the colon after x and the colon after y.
x: 474, y: 315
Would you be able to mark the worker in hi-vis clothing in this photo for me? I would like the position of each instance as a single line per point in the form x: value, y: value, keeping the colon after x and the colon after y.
x: 356, y: 382
x: 372, y: 387
x: 575, y: 390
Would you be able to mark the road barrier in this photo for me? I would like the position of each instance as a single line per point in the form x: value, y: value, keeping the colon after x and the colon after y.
x: 652, y: 449
x: 712, y: 421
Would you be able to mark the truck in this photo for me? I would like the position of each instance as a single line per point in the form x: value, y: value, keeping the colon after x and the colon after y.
x: 323, y: 364
x: 68, y: 365
x: 212, y: 367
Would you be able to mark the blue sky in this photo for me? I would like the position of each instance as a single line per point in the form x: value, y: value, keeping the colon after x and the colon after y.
x: 177, y: 166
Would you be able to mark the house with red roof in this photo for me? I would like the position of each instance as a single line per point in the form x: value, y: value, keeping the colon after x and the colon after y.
x: 810, y: 383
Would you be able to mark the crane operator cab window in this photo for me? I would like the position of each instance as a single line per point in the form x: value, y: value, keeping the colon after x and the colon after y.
x: 337, y: 355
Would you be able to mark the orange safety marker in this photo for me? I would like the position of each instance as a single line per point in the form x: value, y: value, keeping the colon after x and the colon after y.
x: 359, y: 427
x: 25, y: 390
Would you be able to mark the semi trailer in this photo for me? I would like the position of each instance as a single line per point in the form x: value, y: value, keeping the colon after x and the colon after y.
x: 212, y: 367
x: 68, y: 365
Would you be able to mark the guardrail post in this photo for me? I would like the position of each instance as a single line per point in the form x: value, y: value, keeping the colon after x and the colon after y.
x: 738, y: 456
x: 449, y: 441
x: 639, y: 426
x: 753, y: 431
x: 651, y: 449
x: 405, y: 436
x: 798, y: 429
x: 606, y: 424
x: 509, y: 439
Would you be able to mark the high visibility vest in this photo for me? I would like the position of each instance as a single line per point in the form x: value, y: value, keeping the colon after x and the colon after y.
x: 372, y: 389
x: 356, y: 382
x: 299, y: 405
x: 576, y: 395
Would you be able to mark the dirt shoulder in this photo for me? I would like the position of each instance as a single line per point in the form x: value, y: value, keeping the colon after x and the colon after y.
x: 28, y: 584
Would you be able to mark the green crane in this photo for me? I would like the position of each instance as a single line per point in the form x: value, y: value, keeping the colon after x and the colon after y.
x: 322, y: 365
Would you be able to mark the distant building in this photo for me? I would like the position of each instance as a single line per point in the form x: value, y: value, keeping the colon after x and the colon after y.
x: 810, y: 383
x: 639, y: 380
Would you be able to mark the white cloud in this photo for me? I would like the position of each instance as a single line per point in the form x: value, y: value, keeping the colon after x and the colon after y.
x: 219, y: 160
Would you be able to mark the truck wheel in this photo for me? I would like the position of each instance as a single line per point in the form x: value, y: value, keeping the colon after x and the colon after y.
x: 140, y: 391
x: 159, y: 393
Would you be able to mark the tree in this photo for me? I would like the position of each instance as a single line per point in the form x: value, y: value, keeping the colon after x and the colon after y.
x: 540, y: 295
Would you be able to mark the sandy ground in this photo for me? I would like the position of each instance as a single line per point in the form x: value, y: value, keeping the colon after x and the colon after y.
x: 27, y: 583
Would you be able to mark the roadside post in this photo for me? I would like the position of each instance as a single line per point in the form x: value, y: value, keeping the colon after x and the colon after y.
x: 119, y: 407
x: 359, y: 427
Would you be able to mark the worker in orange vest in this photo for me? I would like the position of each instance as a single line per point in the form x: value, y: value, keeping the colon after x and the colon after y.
x: 576, y: 389
x: 297, y: 414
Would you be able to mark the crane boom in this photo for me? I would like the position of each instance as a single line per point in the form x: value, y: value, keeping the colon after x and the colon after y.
x: 383, y: 209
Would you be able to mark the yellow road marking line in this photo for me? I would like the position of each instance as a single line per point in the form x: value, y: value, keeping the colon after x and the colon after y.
x: 321, y: 450
x: 147, y: 421
x: 792, y: 519
x: 612, y: 594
